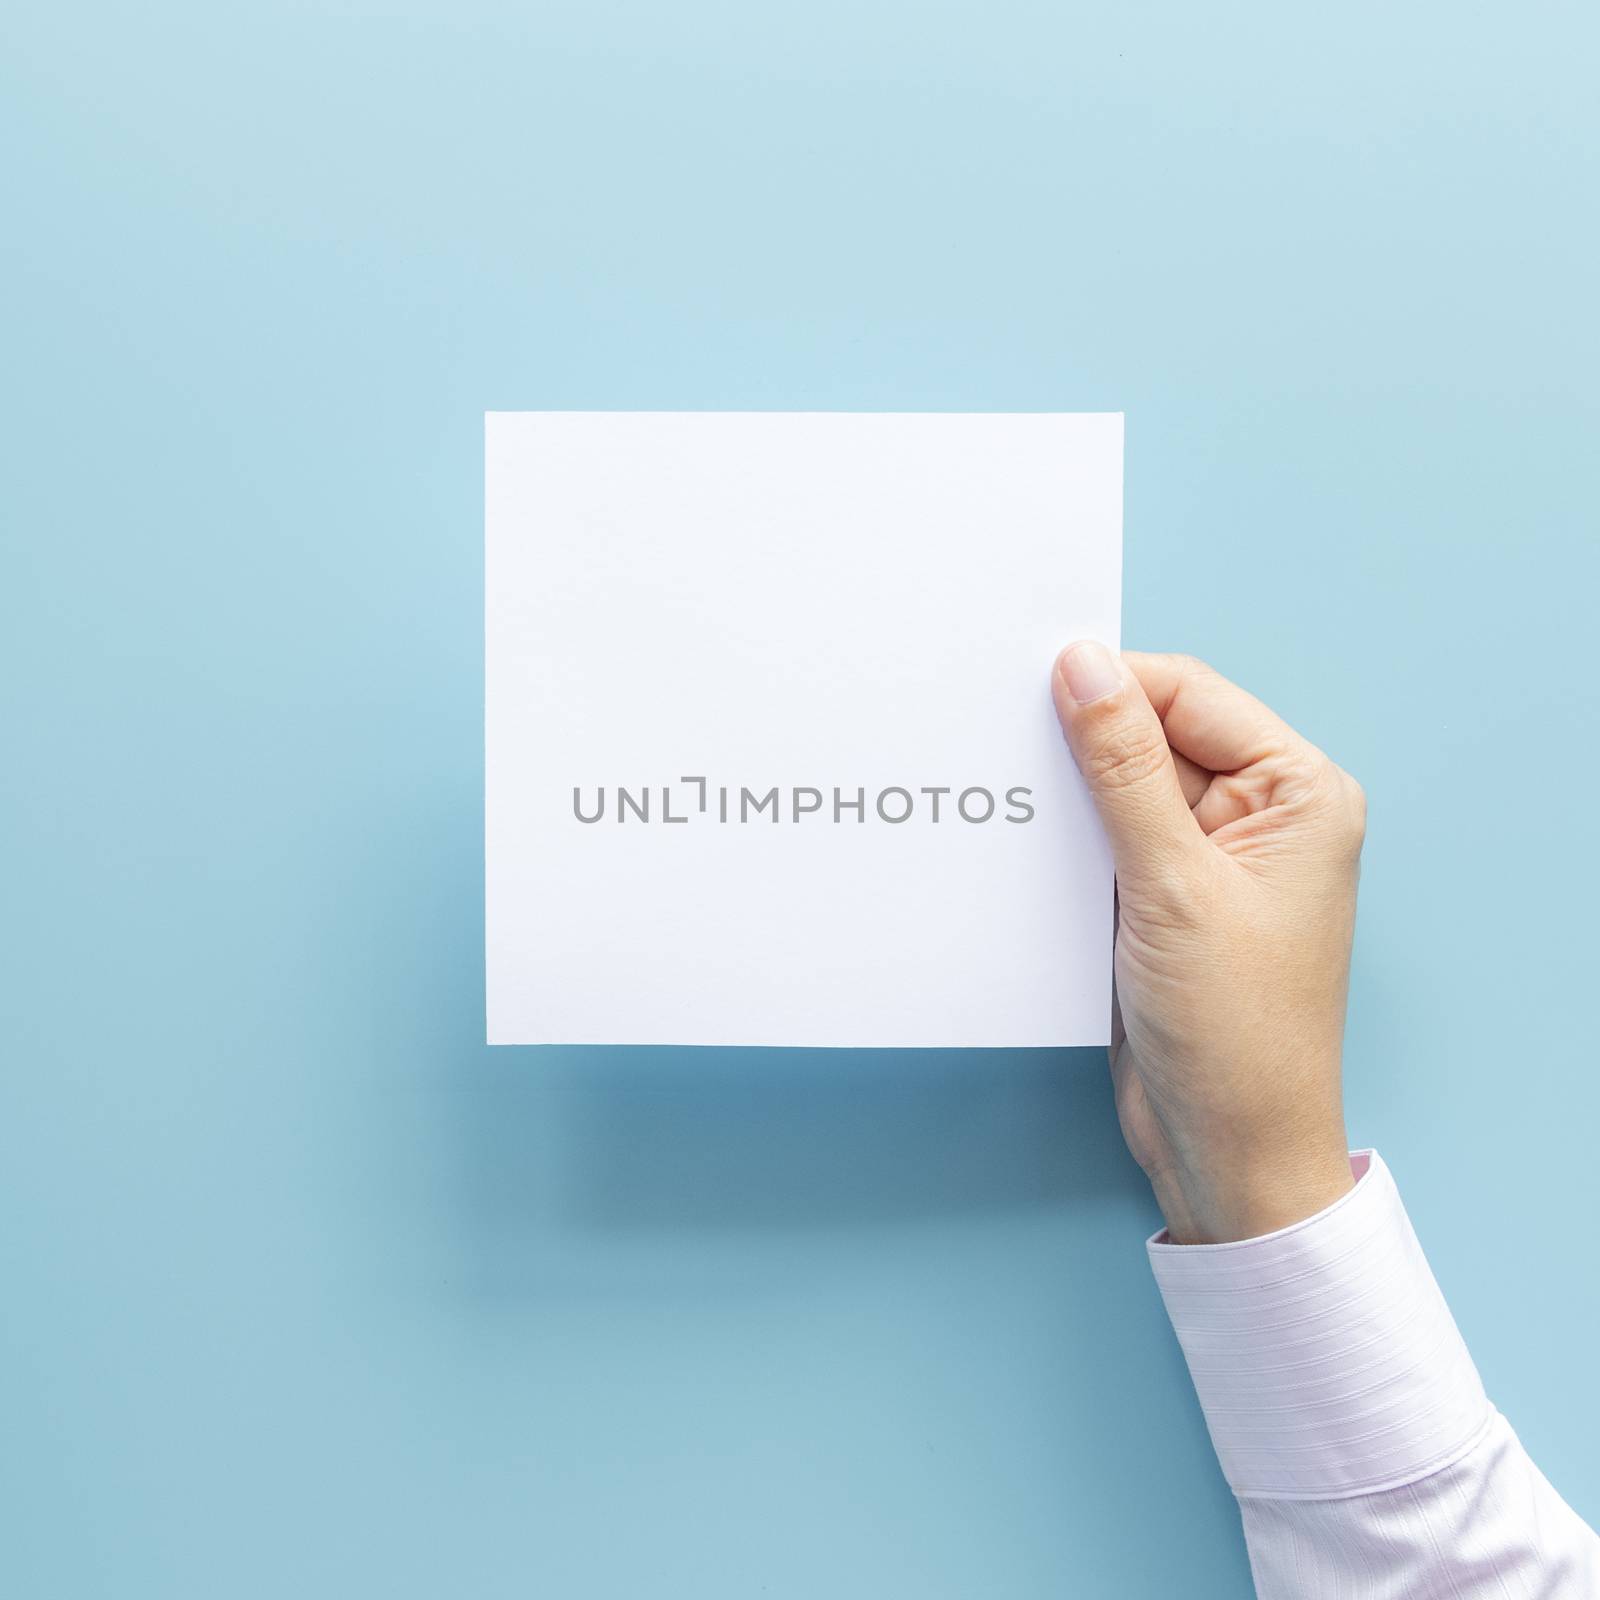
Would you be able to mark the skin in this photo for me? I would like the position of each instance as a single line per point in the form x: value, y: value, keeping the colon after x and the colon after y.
x: 1237, y: 847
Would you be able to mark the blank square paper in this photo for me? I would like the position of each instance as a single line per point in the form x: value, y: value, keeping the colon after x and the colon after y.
x: 771, y: 757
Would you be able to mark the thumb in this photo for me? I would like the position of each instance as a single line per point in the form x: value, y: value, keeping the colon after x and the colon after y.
x: 1121, y: 750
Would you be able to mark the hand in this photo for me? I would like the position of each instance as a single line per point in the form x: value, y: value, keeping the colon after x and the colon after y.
x: 1237, y: 847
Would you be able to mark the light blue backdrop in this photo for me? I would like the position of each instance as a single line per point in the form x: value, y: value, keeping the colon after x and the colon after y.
x: 304, y: 1291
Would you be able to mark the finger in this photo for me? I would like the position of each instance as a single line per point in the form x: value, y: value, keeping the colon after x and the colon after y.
x: 1118, y: 743
x: 1213, y: 722
x: 1194, y: 780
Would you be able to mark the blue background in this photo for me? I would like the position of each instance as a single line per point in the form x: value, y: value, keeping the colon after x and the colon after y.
x: 307, y: 1292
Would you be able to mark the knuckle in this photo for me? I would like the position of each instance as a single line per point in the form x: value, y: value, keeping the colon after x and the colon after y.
x: 1304, y: 776
x: 1170, y: 895
x: 1163, y: 895
x: 1123, y: 757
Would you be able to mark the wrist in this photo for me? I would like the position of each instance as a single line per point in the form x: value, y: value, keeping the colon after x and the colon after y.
x: 1237, y: 1198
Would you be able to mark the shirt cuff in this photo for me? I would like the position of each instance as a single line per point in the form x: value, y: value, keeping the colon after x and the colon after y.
x: 1326, y: 1360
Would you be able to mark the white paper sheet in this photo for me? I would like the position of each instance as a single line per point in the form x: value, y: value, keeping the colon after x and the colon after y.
x: 682, y: 605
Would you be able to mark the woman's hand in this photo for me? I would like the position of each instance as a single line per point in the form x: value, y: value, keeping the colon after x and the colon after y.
x: 1237, y: 847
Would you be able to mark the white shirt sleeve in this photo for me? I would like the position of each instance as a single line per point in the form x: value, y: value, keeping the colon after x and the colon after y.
x: 1351, y: 1423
